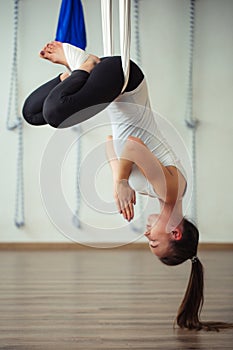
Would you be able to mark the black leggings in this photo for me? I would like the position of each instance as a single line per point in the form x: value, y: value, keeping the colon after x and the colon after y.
x: 80, y: 96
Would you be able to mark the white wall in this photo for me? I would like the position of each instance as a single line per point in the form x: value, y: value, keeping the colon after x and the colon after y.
x: 164, y: 44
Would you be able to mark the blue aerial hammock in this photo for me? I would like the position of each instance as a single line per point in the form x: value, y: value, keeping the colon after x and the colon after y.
x: 71, y: 30
x: 71, y: 26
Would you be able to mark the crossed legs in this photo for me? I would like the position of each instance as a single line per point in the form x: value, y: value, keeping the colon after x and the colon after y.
x: 59, y: 101
x: 72, y: 98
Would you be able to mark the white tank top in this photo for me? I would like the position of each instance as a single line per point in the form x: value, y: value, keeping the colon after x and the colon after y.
x: 131, y: 115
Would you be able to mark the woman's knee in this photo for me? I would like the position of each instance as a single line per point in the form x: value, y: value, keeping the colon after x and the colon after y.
x: 27, y: 112
x: 53, y: 111
x: 31, y: 115
x: 50, y: 114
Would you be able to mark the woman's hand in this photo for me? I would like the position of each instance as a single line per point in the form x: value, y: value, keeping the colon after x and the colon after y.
x: 125, y: 199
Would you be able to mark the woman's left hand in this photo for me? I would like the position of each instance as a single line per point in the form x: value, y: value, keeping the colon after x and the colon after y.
x: 125, y: 199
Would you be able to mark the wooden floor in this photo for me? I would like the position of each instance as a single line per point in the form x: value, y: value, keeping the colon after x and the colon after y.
x: 106, y: 299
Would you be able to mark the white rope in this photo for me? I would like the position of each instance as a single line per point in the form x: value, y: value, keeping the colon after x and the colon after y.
x: 190, y: 120
x: 140, y: 228
x: 125, y: 30
x: 76, y: 219
x: 16, y: 124
x: 137, y: 32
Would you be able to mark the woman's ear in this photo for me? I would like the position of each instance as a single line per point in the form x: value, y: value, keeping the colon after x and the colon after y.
x: 177, y: 234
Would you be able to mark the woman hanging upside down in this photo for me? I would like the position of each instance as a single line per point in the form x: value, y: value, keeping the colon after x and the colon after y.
x: 140, y: 158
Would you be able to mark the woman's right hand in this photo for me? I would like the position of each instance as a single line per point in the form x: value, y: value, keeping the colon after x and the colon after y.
x: 125, y: 199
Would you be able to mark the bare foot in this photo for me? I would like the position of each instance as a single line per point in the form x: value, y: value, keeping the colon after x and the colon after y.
x: 70, y: 56
x: 54, y: 52
x: 90, y: 63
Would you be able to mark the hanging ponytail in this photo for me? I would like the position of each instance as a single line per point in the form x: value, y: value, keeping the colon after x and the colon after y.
x: 190, y: 308
x: 188, y: 315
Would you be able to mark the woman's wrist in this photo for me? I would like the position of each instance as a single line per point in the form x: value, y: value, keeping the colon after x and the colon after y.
x: 118, y: 181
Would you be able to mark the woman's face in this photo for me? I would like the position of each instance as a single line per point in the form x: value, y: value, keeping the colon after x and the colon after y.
x: 159, y: 239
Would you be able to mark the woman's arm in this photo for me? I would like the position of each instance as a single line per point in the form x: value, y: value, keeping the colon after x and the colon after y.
x: 121, y: 168
x: 112, y: 158
x: 165, y: 182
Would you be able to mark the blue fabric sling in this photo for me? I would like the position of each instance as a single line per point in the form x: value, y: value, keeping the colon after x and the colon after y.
x: 71, y: 25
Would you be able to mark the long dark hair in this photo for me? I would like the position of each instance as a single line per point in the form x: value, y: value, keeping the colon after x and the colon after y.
x: 188, y: 315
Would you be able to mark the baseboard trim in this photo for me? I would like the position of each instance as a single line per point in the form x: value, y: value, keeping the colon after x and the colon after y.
x: 54, y: 246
